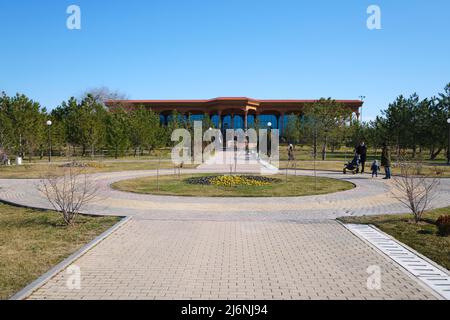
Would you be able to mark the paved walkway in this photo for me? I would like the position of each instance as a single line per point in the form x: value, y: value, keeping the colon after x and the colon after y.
x: 249, y: 248
x: 232, y: 260
x: 370, y: 197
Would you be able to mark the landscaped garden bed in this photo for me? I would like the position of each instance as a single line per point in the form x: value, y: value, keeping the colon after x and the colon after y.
x: 233, y: 185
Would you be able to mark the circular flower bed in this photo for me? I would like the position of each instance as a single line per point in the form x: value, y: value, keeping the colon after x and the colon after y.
x: 232, y: 180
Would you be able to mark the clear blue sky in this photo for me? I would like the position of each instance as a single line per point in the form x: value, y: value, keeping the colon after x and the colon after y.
x: 163, y: 49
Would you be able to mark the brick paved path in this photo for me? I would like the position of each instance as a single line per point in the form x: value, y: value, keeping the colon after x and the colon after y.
x: 371, y: 196
x: 181, y: 247
x: 232, y: 260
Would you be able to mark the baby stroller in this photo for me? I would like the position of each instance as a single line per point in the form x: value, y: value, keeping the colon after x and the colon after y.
x: 353, y: 165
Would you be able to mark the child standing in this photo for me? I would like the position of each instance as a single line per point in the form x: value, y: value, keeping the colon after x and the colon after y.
x: 375, y: 168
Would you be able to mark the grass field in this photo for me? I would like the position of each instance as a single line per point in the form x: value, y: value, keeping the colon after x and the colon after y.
x: 422, y: 237
x: 304, y: 160
x: 37, y: 170
x: 32, y: 242
x: 294, y: 186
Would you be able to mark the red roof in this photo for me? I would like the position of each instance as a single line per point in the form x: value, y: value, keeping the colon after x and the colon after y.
x: 218, y: 99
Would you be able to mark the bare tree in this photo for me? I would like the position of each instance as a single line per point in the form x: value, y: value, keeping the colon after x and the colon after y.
x: 102, y: 94
x: 70, y: 192
x: 414, y: 189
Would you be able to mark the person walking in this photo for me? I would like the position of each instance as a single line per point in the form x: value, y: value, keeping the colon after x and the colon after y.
x: 361, y: 150
x: 386, y: 160
x: 291, y: 152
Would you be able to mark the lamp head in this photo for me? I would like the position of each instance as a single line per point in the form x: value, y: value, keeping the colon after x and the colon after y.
x: 49, y: 122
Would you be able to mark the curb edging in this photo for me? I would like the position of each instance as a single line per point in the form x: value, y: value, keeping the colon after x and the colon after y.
x: 409, y: 272
x: 39, y: 282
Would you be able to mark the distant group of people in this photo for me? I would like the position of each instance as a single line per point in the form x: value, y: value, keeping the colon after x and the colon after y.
x: 361, y: 153
x: 361, y: 158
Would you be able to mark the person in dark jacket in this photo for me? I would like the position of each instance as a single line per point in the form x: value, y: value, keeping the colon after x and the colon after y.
x: 361, y: 150
x: 386, y: 160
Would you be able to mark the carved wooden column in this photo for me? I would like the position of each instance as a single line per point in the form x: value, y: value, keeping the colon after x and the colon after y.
x: 246, y: 120
x: 281, y: 123
x: 256, y: 121
x: 219, y: 119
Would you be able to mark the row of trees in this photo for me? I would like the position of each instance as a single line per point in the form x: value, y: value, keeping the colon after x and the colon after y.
x: 86, y: 124
x: 326, y: 124
x: 83, y: 126
x: 408, y: 123
x: 90, y: 126
x: 412, y: 124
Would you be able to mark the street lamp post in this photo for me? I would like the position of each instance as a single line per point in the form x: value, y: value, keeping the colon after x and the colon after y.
x: 448, y: 147
x: 49, y: 124
x: 269, y: 140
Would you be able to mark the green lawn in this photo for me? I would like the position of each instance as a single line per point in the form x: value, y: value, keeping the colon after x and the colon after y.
x: 422, y: 237
x: 32, y: 242
x: 334, y: 162
x: 37, y: 170
x: 294, y: 186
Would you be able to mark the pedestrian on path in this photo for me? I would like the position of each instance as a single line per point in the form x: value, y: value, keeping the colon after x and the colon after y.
x: 291, y: 152
x: 361, y: 150
x: 386, y: 160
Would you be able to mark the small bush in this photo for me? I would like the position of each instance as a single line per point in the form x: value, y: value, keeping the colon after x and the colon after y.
x: 74, y: 164
x: 94, y: 164
x: 443, y: 224
x: 81, y: 164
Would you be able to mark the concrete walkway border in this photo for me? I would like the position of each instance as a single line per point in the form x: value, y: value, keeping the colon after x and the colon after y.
x: 36, y: 284
x: 422, y: 269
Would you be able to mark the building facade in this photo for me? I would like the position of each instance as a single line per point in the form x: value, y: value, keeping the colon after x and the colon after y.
x: 232, y: 112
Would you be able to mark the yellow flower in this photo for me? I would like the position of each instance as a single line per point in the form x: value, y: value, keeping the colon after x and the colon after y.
x: 230, y: 181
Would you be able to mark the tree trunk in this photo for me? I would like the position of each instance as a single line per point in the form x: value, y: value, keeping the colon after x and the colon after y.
x: 324, y: 149
x: 433, y: 154
x: 315, y: 148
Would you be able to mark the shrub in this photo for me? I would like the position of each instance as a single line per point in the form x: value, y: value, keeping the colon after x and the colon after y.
x: 94, y: 164
x: 443, y: 224
x: 74, y: 164
x: 81, y: 164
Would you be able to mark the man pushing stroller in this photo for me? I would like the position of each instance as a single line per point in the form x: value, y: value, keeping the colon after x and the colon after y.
x: 353, y: 165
